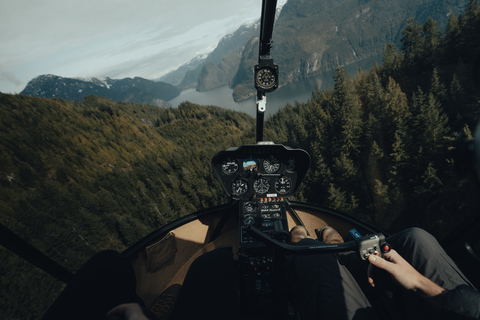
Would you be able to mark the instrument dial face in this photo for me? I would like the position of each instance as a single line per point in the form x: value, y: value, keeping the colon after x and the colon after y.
x: 283, y: 185
x: 291, y: 165
x: 249, y: 207
x: 250, y: 165
x: 261, y: 185
x: 249, y: 221
x: 265, y: 78
x: 239, y: 187
x: 230, y: 166
x: 271, y: 165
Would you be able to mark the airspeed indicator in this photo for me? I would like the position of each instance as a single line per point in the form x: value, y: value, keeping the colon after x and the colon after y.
x: 230, y: 166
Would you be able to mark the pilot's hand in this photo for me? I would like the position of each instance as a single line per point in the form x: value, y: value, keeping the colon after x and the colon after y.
x: 400, y: 270
x: 129, y: 311
x: 405, y: 275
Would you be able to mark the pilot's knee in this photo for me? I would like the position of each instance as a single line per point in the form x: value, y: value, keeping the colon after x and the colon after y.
x: 418, y: 234
x: 412, y: 238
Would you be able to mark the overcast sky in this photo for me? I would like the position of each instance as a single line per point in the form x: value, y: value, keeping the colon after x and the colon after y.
x: 114, y: 38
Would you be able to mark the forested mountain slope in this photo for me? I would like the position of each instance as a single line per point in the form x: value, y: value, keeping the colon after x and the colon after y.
x: 80, y: 177
x: 383, y: 143
x: 311, y: 37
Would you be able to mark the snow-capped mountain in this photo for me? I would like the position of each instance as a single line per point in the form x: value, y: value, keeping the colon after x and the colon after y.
x: 128, y: 90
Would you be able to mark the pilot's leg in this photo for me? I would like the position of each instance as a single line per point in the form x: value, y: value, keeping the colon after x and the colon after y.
x: 103, y: 282
x: 426, y: 255
x: 323, y: 288
x: 210, y: 288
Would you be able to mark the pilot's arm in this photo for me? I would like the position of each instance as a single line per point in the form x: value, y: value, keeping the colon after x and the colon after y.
x: 463, y: 300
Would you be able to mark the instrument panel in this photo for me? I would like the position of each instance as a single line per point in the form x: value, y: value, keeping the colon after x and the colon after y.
x: 261, y: 171
x: 261, y: 177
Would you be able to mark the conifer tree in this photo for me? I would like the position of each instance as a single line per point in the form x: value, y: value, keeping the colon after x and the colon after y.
x: 370, y: 92
x: 338, y: 200
x: 345, y: 113
x: 437, y: 88
x: 456, y: 103
x: 429, y: 130
x: 392, y: 62
x: 413, y: 42
x: 451, y: 41
x: 432, y: 36
x: 470, y: 25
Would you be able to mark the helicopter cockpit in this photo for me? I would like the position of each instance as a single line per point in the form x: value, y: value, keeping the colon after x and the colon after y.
x: 262, y: 177
x: 261, y: 182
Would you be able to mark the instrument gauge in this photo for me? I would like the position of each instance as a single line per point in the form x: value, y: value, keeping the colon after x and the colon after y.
x: 283, y: 185
x: 249, y: 207
x: 261, y: 185
x: 271, y: 165
x: 291, y: 164
x: 265, y: 75
x: 230, y: 166
x: 265, y: 78
x: 239, y: 187
x: 249, y: 221
x: 250, y: 165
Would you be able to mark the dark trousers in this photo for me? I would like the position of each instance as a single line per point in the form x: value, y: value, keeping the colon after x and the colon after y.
x: 426, y: 255
x: 102, y: 283
x: 328, y: 286
x: 323, y: 288
x: 108, y: 280
x: 210, y: 288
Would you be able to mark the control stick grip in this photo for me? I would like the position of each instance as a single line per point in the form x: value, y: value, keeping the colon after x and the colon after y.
x: 372, y: 244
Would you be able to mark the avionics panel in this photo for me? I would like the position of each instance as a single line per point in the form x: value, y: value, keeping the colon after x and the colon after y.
x: 261, y: 177
x: 266, y: 214
x: 257, y: 262
x: 261, y: 171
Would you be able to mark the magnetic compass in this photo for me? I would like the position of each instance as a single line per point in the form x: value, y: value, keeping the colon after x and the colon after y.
x: 266, y: 76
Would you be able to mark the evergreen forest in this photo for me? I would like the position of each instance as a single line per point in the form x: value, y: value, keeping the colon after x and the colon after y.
x: 78, y: 177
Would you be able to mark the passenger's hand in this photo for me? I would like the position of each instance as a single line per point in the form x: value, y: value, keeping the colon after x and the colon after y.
x: 129, y: 311
x: 405, y: 275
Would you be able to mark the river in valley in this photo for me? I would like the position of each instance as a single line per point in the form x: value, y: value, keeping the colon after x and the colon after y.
x: 300, y: 91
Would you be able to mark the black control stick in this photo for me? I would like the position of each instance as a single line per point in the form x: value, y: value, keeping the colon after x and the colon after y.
x: 365, y: 246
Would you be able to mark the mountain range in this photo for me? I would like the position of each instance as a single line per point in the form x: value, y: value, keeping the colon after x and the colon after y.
x: 309, y: 38
x: 136, y: 90
x: 218, y: 67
